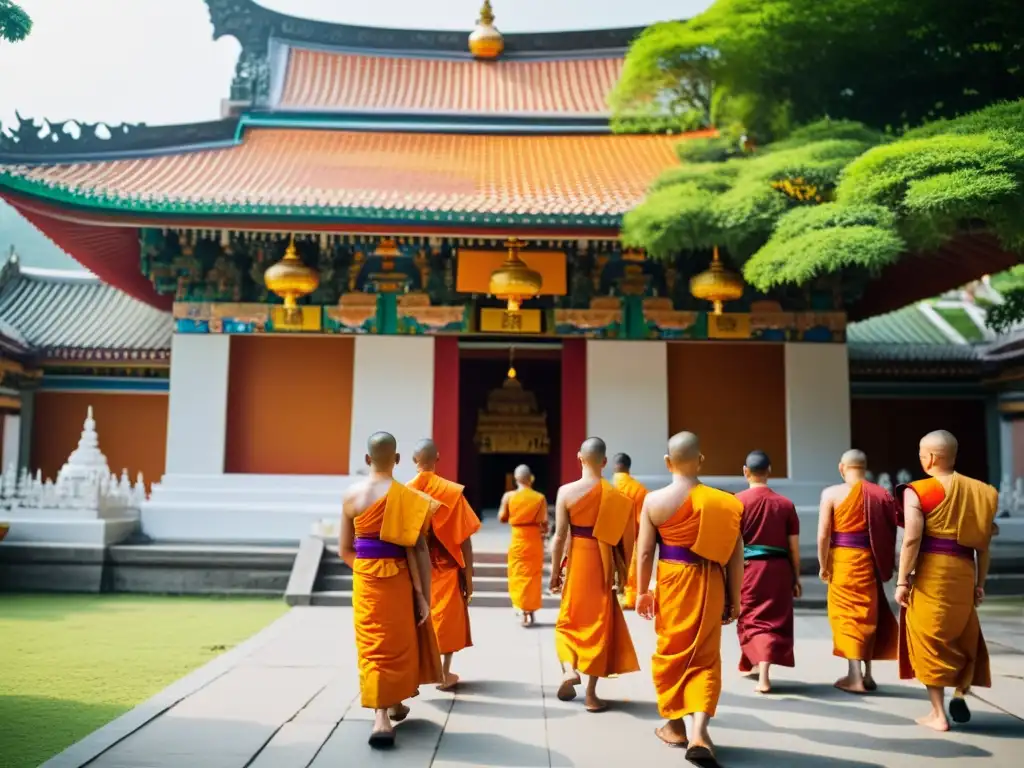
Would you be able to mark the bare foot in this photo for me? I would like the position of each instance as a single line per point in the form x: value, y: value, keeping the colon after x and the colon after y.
x: 672, y: 733
x: 398, y: 713
x: 937, y: 722
x: 846, y: 684
x: 763, y: 689
x: 525, y: 622
x: 451, y: 680
x: 594, y: 704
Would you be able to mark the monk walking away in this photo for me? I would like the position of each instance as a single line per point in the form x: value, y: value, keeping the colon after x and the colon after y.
x: 771, y: 574
x: 700, y: 570
x: 856, y: 556
x: 526, y: 512
x: 451, y: 558
x: 383, y: 541
x: 944, y: 562
x: 594, y: 521
x: 625, y: 483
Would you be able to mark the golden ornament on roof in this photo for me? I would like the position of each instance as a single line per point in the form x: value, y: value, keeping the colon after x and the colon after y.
x: 486, y: 42
x: 291, y: 279
x: 717, y: 284
x: 514, y: 281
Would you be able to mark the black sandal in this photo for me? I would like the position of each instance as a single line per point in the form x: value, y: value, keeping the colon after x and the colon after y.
x: 702, y: 756
x: 382, y: 739
x: 959, y: 711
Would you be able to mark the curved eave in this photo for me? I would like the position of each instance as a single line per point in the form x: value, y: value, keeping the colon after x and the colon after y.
x: 154, y: 213
x: 254, y: 26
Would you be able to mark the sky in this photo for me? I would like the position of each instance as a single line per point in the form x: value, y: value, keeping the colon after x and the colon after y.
x: 155, y: 62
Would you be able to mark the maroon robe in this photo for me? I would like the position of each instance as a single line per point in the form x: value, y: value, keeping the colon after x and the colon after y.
x: 881, y: 511
x: 765, y: 625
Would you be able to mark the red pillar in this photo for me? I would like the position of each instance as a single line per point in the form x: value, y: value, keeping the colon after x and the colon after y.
x: 574, y: 405
x: 446, y: 404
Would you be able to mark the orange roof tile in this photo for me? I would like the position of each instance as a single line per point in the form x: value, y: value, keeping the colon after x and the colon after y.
x: 347, y: 174
x: 322, y: 80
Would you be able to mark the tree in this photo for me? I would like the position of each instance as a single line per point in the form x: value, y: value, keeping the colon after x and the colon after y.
x: 15, y: 24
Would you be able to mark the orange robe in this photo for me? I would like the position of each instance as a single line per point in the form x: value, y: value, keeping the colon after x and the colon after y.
x: 395, y: 656
x: 940, y: 636
x: 591, y: 632
x: 863, y: 625
x: 690, y: 602
x: 527, y: 509
x: 624, y: 483
x: 450, y: 527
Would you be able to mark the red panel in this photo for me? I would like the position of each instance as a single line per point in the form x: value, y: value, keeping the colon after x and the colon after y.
x: 574, y: 405
x: 110, y: 253
x: 446, y: 404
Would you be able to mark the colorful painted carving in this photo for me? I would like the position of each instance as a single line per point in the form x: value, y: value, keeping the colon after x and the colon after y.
x: 662, y: 321
x: 604, y: 320
x: 417, y: 316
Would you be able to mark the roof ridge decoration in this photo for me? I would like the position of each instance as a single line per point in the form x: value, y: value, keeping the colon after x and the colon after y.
x: 255, y: 26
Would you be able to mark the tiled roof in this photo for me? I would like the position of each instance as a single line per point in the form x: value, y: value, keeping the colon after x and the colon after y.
x: 906, y: 335
x: 326, y: 80
x: 484, y: 179
x: 73, y: 315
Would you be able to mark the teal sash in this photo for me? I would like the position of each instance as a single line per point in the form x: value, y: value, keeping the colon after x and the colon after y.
x: 762, y: 552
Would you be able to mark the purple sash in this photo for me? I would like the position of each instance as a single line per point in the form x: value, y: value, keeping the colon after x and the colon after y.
x: 375, y: 549
x: 677, y: 554
x: 582, y: 531
x: 851, y: 540
x: 935, y: 546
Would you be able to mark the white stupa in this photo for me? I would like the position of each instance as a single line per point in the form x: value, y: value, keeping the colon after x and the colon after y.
x: 86, y: 464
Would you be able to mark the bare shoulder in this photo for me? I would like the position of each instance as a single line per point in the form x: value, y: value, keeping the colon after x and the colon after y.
x: 834, y: 493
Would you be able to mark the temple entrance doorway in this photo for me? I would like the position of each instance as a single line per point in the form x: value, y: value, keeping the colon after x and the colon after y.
x: 508, y: 420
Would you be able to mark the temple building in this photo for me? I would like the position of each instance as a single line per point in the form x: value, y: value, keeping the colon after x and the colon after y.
x: 381, y: 218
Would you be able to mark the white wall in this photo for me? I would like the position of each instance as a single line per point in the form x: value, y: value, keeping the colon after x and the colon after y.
x: 392, y: 391
x: 817, y: 410
x: 627, y: 400
x: 9, y: 453
x: 198, y: 402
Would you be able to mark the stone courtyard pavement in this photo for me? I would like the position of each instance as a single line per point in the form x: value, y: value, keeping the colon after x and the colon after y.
x: 288, y: 698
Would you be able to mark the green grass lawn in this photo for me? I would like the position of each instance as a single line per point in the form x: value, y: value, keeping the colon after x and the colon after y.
x: 72, y: 663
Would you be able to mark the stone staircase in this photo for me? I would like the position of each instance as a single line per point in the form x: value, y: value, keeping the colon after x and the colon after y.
x: 333, y: 582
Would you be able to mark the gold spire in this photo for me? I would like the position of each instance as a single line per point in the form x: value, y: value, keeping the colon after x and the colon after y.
x: 486, y: 41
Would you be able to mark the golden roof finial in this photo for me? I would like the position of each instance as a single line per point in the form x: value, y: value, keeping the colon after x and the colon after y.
x: 486, y: 41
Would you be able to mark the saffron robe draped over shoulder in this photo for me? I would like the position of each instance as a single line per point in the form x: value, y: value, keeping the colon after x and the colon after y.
x: 765, y: 625
x: 450, y: 527
x: 863, y: 624
x: 627, y: 485
x: 395, y: 656
x: 941, y: 643
x: 591, y: 632
x: 690, y: 602
x: 527, y: 509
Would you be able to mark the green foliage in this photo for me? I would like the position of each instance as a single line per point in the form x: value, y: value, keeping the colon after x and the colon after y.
x: 737, y: 202
x: 1003, y: 317
x: 691, y: 120
x: 15, y: 24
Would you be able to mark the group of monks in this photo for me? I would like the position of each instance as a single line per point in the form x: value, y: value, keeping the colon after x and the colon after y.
x: 720, y: 558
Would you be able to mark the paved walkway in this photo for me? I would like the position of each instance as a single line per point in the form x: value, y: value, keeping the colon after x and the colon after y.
x: 288, y: 698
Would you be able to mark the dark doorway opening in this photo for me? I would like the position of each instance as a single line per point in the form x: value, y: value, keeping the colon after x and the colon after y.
x: 482, y: 370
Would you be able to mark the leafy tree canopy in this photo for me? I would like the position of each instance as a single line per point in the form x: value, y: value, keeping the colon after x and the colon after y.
x: 15, y: 24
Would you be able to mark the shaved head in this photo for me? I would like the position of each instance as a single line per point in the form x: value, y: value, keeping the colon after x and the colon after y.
x: 622, y: 462
x: 684, y: 446
x: 939, y: 448
x: 523, y: 474
x: 854, y: 459
x: 684, y: 456
x: 382, y: 451
x: 758, y: 463
x: 425, y: 454
x: 594, y: 453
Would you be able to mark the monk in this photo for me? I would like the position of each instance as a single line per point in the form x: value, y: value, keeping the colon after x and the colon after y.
x: 624, y: 483
x: 771, y: 574
x: 526, y: 511
x: 944, y: 562
x: 591, y: 636
x: 856, y: 556
x: 451, y: 558
x: 700, y: 572
x: 383, y: 541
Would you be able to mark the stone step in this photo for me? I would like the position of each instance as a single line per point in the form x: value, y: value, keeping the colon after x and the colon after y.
x: 481, y: 600
x: 333, y: 566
